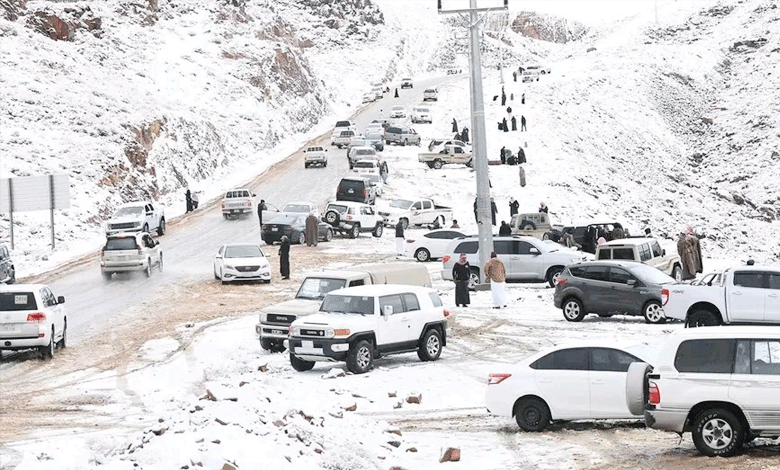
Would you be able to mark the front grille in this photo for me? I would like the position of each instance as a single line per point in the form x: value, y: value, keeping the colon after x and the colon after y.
x: 123, y: 225
x: 316, y: 333
x: 247, y: 269
x: 286, y: 319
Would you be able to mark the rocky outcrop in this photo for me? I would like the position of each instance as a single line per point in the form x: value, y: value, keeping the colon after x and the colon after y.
x: 344, y: 12
x: 63, y: 26
x: 547, y: 28
x: 12, y: 9
x: 137, y: 150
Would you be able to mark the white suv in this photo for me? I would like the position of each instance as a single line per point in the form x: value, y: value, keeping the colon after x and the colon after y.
x: 431, y: 94
x: 32, y: 317
x: 351, y: 218
x: 643, y: 250
x: 341, y: 126
x: 124, y: 252
x: 315, y: 156
x: 359, y: 324
x: 719, y: 383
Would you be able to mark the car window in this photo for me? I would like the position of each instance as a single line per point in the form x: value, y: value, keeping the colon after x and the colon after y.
x: 357, y: 282
x: 392, y: 300
x: 605, y: 253
x: 411, y: 302
x: 435, y: 299
x: 122, y: 243
x: 503, y: 247
x: 705, y: 356
x: 366, y: 211
x: 749, y: 279
x: 469, y: 247
x: 577, y: 271
x: 766, y: 357
x: 619, y: 276
x: 14, y: 301
x: 523, y: 248
x: 337, y: 207
x: 644, y: 252
x: 657, y: 251
x: 348, y: 304
x: 596, y: 273
x: 417, y: 205
x: 774, y: 280
x: 564, y: 359
x: 47, y: 297
x: 610, y: 360
x: 427, y: 204
x: 623, y: 253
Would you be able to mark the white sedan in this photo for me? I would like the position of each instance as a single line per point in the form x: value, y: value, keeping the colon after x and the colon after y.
x: 398, y: 112
x: 431, y: 245
x: 573, y: 382
x: 31, y: 317
x: 241, y: 262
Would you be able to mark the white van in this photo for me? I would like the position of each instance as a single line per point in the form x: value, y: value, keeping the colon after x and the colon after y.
x: 421, y: 114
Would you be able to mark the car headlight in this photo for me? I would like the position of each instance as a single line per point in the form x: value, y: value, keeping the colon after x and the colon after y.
x: 337, y: 333
x: 227, y: 266
x: 296, y: 331
x: 575, y: 260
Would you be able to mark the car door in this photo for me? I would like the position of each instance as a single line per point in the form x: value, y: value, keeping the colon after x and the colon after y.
x: 55, y: 310
x: 623, y: 297
x: 772, y: 299
x: 607, y: 376
x: 595, y: 289
x: 152, y: 249
x: 755, y: 383
x: 416, y: 318
x: 367, y: 217
x: 562, y: 380
x: 528, y: 262
x: 660, y: 260
x: 746, y: 297
x: 395, y: 328
x: 416, y: 215
x: 149, y: 216
x: 219, y: 261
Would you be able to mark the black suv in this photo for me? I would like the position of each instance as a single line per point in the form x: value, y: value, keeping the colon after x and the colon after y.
x: 357, y: 189
x: 7, y: 270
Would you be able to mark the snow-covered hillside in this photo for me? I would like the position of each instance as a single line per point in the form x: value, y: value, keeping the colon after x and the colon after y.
x: 660, y: 124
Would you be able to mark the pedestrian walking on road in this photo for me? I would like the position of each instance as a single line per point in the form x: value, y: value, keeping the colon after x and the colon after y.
x: 284, y: 258
x: 493, y: 211
x: 460, y: 274
x: 454, y: 125
x: 522, y: 123
x: 396, y: 92
x: 495, y: 271
x: 522, y: 99
x: 504, y: 126
x: 188, y: 200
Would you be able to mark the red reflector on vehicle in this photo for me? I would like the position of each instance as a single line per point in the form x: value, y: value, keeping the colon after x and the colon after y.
x: 655, y: 395
x: 446, y: 313
x: 409, y: 241
x: 559, y: 280
x: 494, y: 379
x: 445, y: 258
x: 37, y: 317
x: 664, y: 296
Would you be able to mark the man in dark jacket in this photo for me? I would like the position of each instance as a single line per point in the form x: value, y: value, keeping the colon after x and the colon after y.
x: 503, y: 155
x: 520, y: 155
x: 514, y: 123
x: 311, y: 230
x: 522, y: 124
x: 513, y: 206
x: 504, y: 126
x: 464, y: 135
x: 188, y: 200
x: 460, y: 274
x: 493, y: 210
x: 399, y: 238
x: 454, y: 125
x: 505, y: 230
x: 284, y: 258
x: 260, y: 208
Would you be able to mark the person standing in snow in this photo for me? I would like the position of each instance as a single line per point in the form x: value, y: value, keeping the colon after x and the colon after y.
x: 460, y: 274
x: 399, y: 238
x: 188, y: 200
x: 496, y: 272
x: 513, y: 206
x: 503, y: 97
x: 543, y: 207
x: 464, y: 135
x: 311, y: 230
x: 522, y: 99
x: 521, y: 172
x: 514, y: 123
x: 260, y: 208
x: 522, y: 124
x: 503, y: 155
x: 493, y: 211
x: 284, y: 258
x: 504, y: 126
x: 514, y: 75
x: 505, y: 230
x: 690, y: 253
x: 396, y: 92
x: 454, y: 125
x: 520, y: 156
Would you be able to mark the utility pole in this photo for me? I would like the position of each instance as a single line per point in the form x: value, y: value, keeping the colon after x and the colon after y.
x: 479, y: 147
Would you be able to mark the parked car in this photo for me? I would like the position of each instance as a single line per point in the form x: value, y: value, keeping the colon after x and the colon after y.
x: 431, y: 94
x: 301, y: 208
x: 128, y: 252
x: 376, y: 180
x: 448, y: 155
x: 343, y: 138
x: 7, y: 267
x: 421, y: 114
x: 345, y: 125
x: 238, y: 202
x: 352, y: 218
x: 367, y: 167
x: 373, y: 128
x: 431, y: 245
x: 294, y: 227
x: 357, y: 189
x: 315, y: 156
x: 576, y: 381
x: 401, y: 136
x: 376, y: 140
x: 141, y: 216
x: 453, y: 71
x: 532, y: 224
x: 416, y: 212
x: 609, y: 288
x: 525, y: 258
x: 369, y: 97
x: 398, y: 111
x: 359, y: 153
x: 437, y: 145
x: 241, y: 262
x: 358, y: 324
x: 719, y: 384
x: 642, y: 250
x: 407, y: 83
x: 31, y: 317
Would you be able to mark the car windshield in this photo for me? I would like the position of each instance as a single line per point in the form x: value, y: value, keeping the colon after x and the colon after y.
x: 296, y: 208
x: 401, y: 203
x: 650, y: 274
x: 398, y: 108
x: 337, y: 207
x: 14, y: 301
x: 352, y: 304
x: 243, y: 251
x: 342, y: 124
x: 315, y: 288
x: 129, y: 211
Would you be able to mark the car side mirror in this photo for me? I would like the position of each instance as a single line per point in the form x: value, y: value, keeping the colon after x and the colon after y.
x: 61, y: 299
x: 218, y: 256
x: 631, y: 282
x: 254, y: 195
x: 156, y: 242
x: 534, y: 251
x: 387, y: 310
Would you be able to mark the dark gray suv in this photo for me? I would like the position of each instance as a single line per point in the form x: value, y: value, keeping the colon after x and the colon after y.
x: 609, y: 288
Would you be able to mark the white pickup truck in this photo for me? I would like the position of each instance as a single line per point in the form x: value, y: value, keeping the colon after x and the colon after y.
x: 238, y: 202
x: 416, y: 212
x: 746, y: 294
x: 449, y: 154
x: 142, y: 216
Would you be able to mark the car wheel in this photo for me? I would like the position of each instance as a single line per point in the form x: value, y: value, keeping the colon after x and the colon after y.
x: 528, y: 225
x: 405, y: 223
x: 47, y: 352
x: 653, y: 312
x: 473, y: 278
x: 332, y: 217
x: 360, y: 357
x: 573, y: 310
x: 148, y: 270
x: 405, y: 142
x: 63, y: 342
x: 378, y: 230
x: 161, y: 228
x: 532, y: 414
x: 422, y: 255
x: 637, y: 388
x: 328, y: 235
x: 437, y: 164
x: 552, y: 275
x: 301, y: 238
x: 430, y: 346
x: 717, y: 432
x: 299, y: 364
x: 107, y: 275
x: 677, y: 273
x: 146, y: 228
x: 702, y: 318
x: 355, y: 232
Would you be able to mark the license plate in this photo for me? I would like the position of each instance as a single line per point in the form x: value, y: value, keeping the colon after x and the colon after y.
x: 10, y: 327
x: 307, y: 344
x: 274, y: 229
x: 279, y: 332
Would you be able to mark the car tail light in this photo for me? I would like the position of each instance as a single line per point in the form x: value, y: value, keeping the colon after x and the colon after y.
x: 445, y: 258
x: 37, y: 317
x: 654, y: 397
x: 494, y: 379
x: 446, y: 313
x: 410, y: 241
x: 664, y: 296
x: 559, y: 280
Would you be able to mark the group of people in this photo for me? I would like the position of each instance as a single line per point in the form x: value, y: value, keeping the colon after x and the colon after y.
x: 462, y: 135
x: 508, y: 159
x: 494, y: 270
x: 191, y: 200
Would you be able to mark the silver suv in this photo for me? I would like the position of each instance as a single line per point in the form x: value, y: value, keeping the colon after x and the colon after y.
x: 126, y: 252
x: 401, y: 136
x: 719, y: 383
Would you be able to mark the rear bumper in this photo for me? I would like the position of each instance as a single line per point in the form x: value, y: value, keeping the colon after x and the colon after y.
x: 123, y: 266
x: 666, y: 420
x: 12, y: 341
